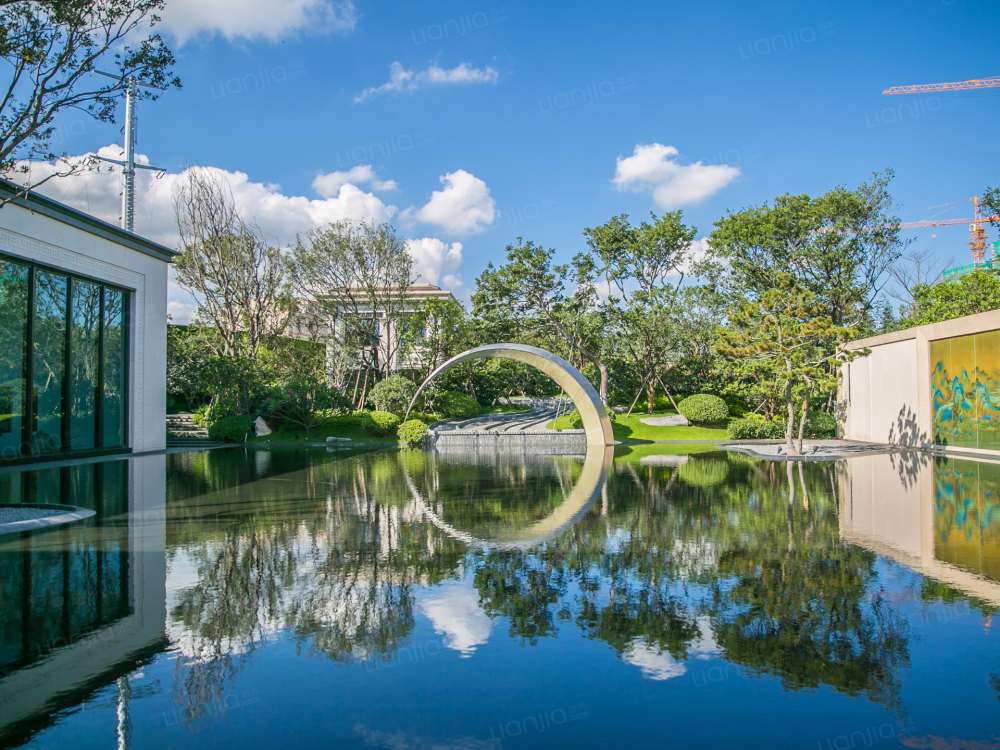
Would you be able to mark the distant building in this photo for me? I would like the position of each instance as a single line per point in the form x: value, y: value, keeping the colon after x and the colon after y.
x: 384, y: 330
x: 83, y: 333
x: 935, y: 385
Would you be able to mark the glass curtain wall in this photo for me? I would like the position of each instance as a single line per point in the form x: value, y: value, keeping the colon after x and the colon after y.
x: 63, y: 362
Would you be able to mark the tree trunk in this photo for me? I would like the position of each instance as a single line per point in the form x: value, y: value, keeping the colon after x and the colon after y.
x: 790, y: 426
x: 805, y: 412
x: 650, y: 396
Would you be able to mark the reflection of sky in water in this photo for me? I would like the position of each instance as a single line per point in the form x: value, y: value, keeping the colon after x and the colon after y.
x: 454, y: 611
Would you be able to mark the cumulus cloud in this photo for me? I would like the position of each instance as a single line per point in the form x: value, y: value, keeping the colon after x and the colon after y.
x: 456, y: 613
x: 272, y: 20
x: 435, y: 261
x: 401, y: 79
x: 328, y: 185
x: 654, y: 168
x: 279, y: 216
x: 463, y: 207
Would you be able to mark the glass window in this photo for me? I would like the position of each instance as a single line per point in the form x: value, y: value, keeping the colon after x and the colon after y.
x: 85, y: 313
x: 114, y: 368
x: 49, y: 359
x: 13, y: 346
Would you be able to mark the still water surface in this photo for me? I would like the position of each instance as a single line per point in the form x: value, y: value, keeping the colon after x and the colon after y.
x: 404, y: 599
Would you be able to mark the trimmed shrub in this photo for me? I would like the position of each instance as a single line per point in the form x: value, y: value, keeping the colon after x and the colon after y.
x: 755, y: 428
x: 412, y: 432
x: 231, y: 429
x: 455, y: 405
x: 392, y: 394
x: 380, y: 422
x: 704, y: 408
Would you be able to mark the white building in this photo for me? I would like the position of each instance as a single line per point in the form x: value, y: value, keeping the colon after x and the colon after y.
x: 385, y: 351
x: 82, y: 330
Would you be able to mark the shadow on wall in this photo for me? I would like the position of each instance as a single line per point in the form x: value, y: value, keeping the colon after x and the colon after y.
x: 906, y: 432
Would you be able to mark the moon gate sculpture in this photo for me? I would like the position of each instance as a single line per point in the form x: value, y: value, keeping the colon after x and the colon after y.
x: 595, y: 419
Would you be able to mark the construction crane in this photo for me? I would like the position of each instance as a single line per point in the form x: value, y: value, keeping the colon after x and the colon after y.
x: 929, y: 88
x: 977, y: 234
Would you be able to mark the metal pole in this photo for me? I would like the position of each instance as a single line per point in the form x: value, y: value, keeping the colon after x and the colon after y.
x: 128, y: 168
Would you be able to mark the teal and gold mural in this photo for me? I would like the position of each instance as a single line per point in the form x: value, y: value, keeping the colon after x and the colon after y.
x: 965, y: 390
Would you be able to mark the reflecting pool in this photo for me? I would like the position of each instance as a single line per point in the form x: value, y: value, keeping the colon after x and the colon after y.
x: 672, y: 596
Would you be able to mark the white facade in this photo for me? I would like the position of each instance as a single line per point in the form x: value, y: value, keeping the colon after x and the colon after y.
x: 47, y: 233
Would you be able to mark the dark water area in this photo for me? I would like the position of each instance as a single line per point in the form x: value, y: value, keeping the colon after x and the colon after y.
x: 463, y: 599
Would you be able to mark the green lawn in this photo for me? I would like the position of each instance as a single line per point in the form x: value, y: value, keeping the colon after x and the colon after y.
x: 632, y: 429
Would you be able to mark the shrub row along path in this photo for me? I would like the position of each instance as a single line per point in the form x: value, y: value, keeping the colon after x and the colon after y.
x: 541, y: 412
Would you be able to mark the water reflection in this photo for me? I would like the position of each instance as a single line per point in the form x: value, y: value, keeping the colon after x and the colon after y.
x: 642, y: 570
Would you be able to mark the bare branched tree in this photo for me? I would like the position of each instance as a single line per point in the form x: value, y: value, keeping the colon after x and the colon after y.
x: 355, y: 278
x: 913, y: 268
x: 53, y: 48
x: 239, y: 278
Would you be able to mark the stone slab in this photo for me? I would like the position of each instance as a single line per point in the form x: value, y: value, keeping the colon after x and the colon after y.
x: 674, y: 420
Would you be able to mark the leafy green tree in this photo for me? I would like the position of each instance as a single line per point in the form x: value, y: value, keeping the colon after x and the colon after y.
x: 528, y: 289
x: 188, y: 354
x: 53, y: 48
x: 786, y: 325
x: 636, y: 263
x: 839, y: 246
x: 976, y: 292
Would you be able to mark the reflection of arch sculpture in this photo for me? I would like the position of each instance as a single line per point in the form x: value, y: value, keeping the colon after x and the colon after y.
x: 595, y: 417
x: 586, y: 490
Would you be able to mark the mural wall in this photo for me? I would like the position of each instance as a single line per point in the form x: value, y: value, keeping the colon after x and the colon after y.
x: 965, y: 390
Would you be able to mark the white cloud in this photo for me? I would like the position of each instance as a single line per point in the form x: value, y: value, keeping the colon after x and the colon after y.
x: 279, y: 216
x: 456, y: 613
x: 401, y: 79
x: 181, y: 313
x: 464, y: 206
x: 655, y: 169
x: 435, y: 261
x: 272, y: 20
x: 328, y: 185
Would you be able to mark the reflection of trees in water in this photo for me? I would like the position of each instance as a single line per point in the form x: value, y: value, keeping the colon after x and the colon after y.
x: 328, y: 554
x: 758, y: 553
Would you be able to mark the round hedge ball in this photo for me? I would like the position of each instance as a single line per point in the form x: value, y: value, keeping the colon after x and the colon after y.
x: 704, y: 408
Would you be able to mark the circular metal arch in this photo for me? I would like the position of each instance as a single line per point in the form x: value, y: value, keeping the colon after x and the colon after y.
x: 596, y: 423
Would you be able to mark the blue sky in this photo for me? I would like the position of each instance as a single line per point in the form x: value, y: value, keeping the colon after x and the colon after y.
x: 537, y: 102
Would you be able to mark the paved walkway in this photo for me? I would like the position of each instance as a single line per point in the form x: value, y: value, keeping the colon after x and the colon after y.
x: 542, y: 411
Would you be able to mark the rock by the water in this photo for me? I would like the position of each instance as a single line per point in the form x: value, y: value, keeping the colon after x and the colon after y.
x: 260, y: 427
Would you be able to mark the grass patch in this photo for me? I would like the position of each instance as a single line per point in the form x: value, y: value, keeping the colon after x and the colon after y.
x: 635, y: 453
x: 633, y: 429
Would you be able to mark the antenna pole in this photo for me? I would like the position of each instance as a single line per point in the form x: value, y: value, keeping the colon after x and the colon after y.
x: 128, y: 168
x: 127, y: 162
